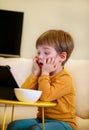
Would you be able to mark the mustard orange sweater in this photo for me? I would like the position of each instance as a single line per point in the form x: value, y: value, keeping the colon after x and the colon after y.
x: 58, y: 88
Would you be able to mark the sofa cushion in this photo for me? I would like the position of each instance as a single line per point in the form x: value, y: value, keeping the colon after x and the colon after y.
x: 80, y: 71
x: 20, y: 67
x: 83, y: 124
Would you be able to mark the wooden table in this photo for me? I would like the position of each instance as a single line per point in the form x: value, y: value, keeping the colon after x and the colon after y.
x: 12, y: 103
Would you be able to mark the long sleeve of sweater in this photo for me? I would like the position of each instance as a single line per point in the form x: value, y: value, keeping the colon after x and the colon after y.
x: 31, y: 82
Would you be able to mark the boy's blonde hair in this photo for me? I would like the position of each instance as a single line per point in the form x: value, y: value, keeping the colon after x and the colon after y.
x: 59, y: 39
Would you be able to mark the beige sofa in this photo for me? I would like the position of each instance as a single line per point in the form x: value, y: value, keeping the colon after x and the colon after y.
x: 22, y: 67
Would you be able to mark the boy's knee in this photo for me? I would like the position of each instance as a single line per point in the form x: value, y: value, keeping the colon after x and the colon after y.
x: 13, y: 126
x: 35, y: 127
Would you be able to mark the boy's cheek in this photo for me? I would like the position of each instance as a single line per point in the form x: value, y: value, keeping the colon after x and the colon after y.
x: 46, y: 59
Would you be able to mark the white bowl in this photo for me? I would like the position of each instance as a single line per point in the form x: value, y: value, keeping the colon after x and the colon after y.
x: 27, y: 95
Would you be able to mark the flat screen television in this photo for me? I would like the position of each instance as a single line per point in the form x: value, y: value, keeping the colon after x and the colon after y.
x: 11, y: 24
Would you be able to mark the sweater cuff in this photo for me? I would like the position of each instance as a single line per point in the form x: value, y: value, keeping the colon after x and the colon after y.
x: 33, y: 76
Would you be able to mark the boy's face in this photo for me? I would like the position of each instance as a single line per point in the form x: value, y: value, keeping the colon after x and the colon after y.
x: 45, y: 52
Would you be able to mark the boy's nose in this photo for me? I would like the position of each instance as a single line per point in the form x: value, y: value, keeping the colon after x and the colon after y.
x: 40, y: 57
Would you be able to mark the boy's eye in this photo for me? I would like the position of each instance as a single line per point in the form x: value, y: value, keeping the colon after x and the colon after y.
x: 46, y: 53
x: 38, y: 53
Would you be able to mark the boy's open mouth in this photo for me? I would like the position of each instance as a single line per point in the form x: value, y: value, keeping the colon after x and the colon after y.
x: 40, y: 64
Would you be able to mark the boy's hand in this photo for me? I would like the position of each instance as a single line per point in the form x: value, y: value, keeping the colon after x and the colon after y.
x: 49, y: 66
x: 36, y: 69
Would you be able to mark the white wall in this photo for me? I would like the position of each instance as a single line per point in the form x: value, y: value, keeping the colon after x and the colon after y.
x: 41, y: 15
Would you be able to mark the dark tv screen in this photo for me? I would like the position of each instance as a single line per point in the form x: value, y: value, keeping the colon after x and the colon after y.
x: 11, y: 23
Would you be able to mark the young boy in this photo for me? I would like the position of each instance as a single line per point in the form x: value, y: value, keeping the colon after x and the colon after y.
x: 54, y: 48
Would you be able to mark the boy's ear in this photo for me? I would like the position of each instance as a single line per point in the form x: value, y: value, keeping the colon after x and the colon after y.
x: 63, y: 56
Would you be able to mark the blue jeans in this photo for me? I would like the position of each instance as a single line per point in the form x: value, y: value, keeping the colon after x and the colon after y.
x: 36, y: 124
